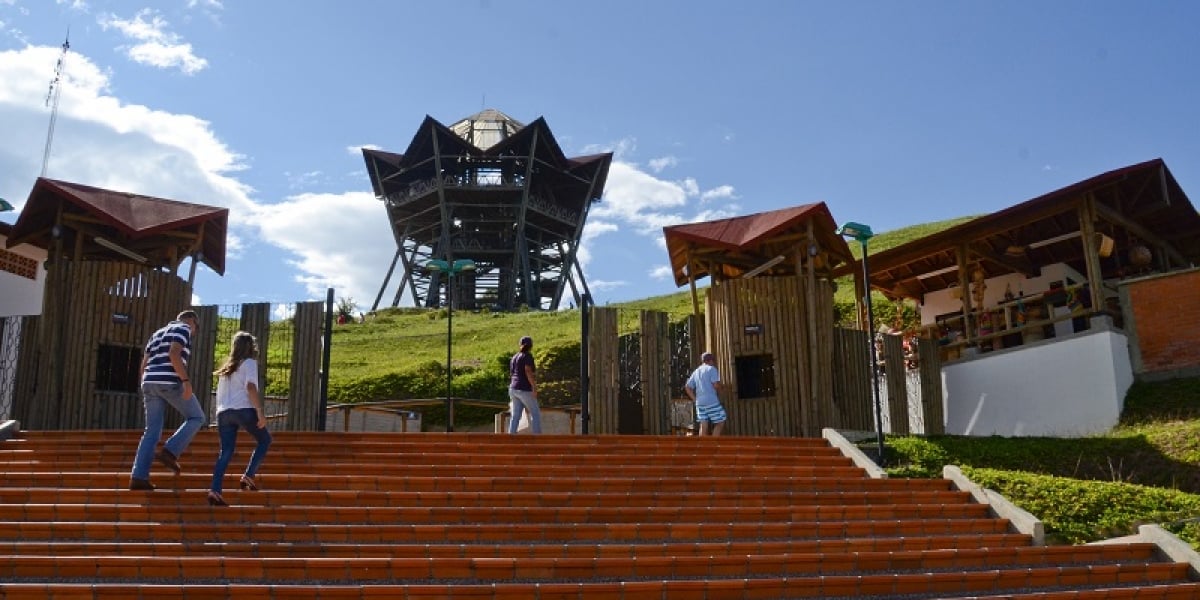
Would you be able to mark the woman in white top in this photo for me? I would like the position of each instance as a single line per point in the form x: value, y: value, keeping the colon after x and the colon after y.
x: 239, y: 406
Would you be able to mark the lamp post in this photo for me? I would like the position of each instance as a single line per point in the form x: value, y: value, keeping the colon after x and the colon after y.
x: 862, y: 233
x: 450, y: 269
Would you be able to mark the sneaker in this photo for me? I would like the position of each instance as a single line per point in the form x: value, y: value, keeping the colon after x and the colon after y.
x: 140, y: 484
x: 168, y: 460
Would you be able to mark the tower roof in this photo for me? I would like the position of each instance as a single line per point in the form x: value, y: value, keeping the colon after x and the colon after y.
x: 486, y: 128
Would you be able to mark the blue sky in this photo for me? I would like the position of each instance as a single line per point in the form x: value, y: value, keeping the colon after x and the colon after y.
x: 893, y: 113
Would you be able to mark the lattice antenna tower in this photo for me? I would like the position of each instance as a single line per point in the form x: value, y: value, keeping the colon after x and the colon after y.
x: 52, y: 97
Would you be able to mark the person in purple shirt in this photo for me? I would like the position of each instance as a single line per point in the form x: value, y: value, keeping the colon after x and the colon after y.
x: 522, y: 389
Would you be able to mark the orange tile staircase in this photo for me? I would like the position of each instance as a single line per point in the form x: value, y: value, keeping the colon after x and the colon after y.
x: 464, y: 515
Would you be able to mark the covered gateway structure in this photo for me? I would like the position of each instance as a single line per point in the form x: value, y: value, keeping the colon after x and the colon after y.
x: 493, y: 190
x: 112, y: 279
x: 769, y: 317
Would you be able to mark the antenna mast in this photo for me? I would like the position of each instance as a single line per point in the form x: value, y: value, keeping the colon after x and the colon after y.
x: 53, y: 95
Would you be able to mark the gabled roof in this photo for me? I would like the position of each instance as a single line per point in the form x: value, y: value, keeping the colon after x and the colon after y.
x: 1137, y: 204
x: 737, y: 245
x: 165, y: 231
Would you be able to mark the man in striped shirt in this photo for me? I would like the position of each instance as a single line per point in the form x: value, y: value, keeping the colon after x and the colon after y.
x: 165, y: 381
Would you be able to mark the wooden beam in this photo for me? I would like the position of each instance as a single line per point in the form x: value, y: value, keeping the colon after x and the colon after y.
x: 1108, y: 214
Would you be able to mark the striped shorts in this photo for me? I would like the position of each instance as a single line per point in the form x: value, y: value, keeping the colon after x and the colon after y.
x: 713, y: 413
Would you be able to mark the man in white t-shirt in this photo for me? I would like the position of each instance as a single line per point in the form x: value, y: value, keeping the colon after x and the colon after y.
x: 704, y: 387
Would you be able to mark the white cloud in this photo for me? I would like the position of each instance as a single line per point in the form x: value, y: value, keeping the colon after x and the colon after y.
x: 621, y: 149
x: 350, y: 250
x: 658, y: 164
x: 661, y: 272
x: 719, y: 192
x: 298, y: 181
x: 604, y: 286
x: 630, y: 193
x: 690, y: 187
x: 209, y: 4
x: 712, y: 214
x: 357, y: 150
x: 158, y: 46
x: 107, y: 142
x: 75, y: 5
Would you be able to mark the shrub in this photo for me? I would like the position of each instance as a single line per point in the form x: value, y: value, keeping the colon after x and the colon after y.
x: 1078, y: 512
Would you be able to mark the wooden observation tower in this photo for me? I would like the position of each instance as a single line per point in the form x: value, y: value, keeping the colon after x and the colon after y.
x: 489, y: 189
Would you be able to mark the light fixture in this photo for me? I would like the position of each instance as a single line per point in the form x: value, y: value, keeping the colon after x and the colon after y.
x: 937, y: 272
x: 1054, y: 240
x: 856, y: 231
x: 862, y: 234
x: 130, y: 254
x: 450, y: 269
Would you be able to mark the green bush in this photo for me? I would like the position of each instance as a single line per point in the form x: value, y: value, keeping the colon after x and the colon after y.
x: 1078, y: 512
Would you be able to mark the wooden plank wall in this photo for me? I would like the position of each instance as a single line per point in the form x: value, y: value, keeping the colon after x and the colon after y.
x: 656, y: 372
x: 775, y: 303
x: 852, y: 402
x: 821, y: 339
x: 603, y: 375
x: 933, y: 412
x: 304, y: 404
x: 897, y: 392
x: 90, y: 304
x: 256, y: 320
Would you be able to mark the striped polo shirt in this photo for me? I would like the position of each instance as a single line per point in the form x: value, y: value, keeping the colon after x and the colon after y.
x: 158, y: 350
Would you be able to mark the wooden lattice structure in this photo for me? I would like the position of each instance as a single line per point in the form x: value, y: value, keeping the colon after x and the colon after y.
x: 112, y: 279
x: 493, y: 190
x: 769, y: 316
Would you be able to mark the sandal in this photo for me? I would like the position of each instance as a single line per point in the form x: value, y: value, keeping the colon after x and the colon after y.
x: 215, y: 499
x: 248, y: 484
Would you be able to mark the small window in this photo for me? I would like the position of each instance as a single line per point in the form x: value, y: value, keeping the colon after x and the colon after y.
x: 117, y: 369
x: 755, y: 376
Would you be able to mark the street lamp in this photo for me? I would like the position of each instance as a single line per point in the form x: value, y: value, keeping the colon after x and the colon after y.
x: 862, y: 233
x: 450, y: 269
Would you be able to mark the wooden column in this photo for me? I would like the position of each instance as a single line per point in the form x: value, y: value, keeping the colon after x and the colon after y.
x: 692, y: 282
x: 1091, y: 255
x: 964, y: 284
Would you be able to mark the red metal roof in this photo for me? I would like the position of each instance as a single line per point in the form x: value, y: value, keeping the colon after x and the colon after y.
x: 753, y: 236
x: 126, y: 217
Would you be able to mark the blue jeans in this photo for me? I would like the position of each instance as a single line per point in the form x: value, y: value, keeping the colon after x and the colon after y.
x: 228, y: 422
x: 521, y: 400
x: 155, y: 398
